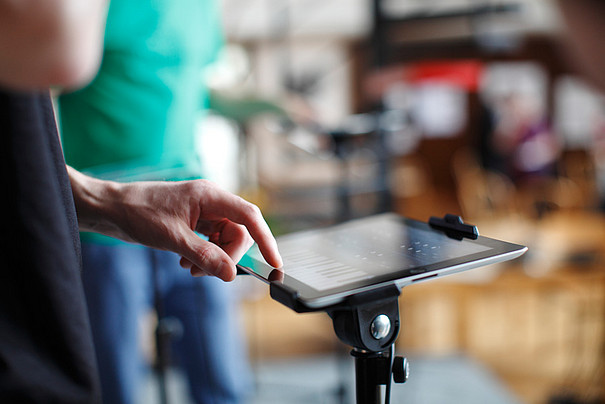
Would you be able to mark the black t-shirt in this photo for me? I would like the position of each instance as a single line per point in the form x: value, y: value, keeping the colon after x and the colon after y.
x: 46, y: 351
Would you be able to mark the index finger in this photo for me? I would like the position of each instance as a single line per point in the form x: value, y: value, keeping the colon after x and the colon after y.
x: 240, y: 211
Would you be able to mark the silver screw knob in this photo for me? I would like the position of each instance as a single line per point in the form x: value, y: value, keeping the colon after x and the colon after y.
x: 380, y: 327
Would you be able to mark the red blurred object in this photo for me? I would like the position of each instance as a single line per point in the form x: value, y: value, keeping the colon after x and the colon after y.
x: 465, y: 74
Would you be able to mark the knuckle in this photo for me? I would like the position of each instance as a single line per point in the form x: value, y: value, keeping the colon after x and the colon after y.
x: 252, y: 211
x: 204, y: 254
x: 195, y: 186
x: 249, y: 240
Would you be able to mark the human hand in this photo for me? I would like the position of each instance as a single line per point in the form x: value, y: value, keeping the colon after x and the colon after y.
x: 167, y: 215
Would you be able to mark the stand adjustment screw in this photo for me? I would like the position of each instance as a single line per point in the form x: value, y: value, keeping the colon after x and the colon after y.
x: 380, y: 327
x: 401, y: 369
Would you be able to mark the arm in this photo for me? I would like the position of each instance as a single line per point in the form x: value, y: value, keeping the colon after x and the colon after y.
x: 166, y: 215
x: 50, y: 42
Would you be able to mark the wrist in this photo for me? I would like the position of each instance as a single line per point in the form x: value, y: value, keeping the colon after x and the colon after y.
x: 95, y: 201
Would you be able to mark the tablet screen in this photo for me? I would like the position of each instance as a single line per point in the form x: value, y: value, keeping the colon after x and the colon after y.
x: 369, y: 251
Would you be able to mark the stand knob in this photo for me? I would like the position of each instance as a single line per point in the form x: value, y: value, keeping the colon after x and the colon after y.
x: 401, y: 369
x: 380, y: 327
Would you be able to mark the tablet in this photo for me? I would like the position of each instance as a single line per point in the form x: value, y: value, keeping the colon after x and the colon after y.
x: 325, y: 266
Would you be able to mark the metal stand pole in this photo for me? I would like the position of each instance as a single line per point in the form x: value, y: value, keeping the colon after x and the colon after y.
x: 369, y: 376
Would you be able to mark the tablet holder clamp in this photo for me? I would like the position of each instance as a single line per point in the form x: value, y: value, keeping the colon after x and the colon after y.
x: 369, y: 323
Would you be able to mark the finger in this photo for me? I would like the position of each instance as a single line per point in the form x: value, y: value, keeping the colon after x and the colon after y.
x: 197, y: 272
x: 207, y: 257
x: 185, y: 263
x: 240, y: 211
x: 193, y: 269
x: 260, y: 232
x: 233, y: 238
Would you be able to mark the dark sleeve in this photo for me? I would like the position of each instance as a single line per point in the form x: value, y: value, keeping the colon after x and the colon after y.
x: 46, y: 354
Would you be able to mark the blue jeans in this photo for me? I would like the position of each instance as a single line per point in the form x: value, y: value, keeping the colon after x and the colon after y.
x: 119, y: 285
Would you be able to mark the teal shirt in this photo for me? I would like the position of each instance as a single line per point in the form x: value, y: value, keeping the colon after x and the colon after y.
x: 136, y: 119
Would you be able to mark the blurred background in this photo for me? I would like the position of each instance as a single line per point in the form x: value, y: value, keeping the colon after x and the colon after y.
x: 327, y: 110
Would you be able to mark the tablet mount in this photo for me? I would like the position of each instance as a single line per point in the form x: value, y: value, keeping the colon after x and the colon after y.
x: 369, y: 322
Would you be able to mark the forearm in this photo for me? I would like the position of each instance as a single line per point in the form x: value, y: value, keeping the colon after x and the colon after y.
x: 50, y: 42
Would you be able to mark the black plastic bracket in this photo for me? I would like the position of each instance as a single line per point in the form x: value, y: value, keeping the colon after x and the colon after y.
x: 288, y: 297
x: 454, y: 227
x: 354, y: 318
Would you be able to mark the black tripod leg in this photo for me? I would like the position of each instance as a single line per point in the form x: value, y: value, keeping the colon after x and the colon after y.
x: 367, y: 389
x: 372, y: 370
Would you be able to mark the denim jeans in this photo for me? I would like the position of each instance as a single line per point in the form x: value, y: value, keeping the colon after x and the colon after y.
x: 119, y: 282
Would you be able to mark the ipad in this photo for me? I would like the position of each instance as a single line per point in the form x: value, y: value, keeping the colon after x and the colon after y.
x: 326, y: 265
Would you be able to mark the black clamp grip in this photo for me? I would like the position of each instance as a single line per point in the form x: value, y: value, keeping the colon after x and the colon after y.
x: 288, y: 297
x: 454, y: 227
